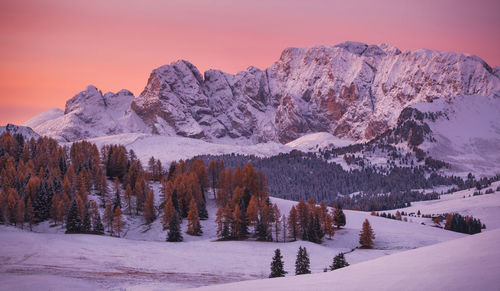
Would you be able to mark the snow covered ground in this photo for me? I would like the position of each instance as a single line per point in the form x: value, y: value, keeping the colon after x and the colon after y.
x: 486, y: 207
x: 172, y: 148
x: 144, y: 261
x: 470, y: 263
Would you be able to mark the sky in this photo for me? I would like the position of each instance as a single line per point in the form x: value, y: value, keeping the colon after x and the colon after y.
x: 51, y: 50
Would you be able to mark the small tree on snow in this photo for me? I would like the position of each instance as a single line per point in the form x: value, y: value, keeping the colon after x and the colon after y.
x: 277, y: 269
x: 366, y: 236
x: 302, y: 264
x: 339, y: 262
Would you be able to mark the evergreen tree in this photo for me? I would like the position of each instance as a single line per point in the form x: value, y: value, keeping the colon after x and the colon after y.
x: 338, y: 216
x: 73, y: 222
x: 339, y: 262
x: 86, y: 225
x: 277, y: 269
x: 98, y: 227
x: 117, y: 201
x: 302, y: 263
x: 366, y: 236
x: 174, y: 230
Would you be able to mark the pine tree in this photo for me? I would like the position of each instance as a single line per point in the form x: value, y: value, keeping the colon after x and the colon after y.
x: 73, y: 222
x: 339, y: 262
x: 338, y: 216
x: 117, y: 201
x: 194, y: 227
x: 174, y: 229
x: 302, y: 262
x: 98, y: 227
x: 149, y: 208
x: 277, y: 269
x: 366, y: 236
x: 86, y: 225
x: 118, y: 222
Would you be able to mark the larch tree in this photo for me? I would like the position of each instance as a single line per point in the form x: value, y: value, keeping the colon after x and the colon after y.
x: 302, y: 263
x: 194, y: 227
x: 366, y: 236
x: 149, y: 208
x: 277, y: 222
x: 328, y: 226
x: 108, y: 216
x: 277, y: 265
x: 168, y: 212
x: 293, y: 223
x: 118, y: 221
x: 237, y: 223
x: 128, y: 199
x: 252, y: 212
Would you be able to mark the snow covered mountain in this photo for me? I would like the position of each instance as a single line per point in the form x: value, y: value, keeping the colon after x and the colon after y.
x: 351, y: 90
x: 25, y: 131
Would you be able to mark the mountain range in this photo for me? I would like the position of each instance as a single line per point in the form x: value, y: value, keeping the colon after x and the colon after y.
x: 352, y: 90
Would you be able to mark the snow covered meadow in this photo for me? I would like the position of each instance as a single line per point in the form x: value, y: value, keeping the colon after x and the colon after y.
x: 47, y: 259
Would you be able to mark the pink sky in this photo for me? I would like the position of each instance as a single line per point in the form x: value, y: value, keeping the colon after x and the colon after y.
x: 51, y: 50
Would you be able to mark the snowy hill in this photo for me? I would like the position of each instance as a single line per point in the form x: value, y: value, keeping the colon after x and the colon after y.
x: 315, y: 141
x: 43, y: 117
x: 467, y: 133
x: 143, y: 260
x: 470, y: 263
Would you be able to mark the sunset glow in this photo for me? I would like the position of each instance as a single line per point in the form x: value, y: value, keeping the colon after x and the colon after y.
x: 51, y: 50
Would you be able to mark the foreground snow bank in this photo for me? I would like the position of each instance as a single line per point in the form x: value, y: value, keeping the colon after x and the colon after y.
x: 469, y: 263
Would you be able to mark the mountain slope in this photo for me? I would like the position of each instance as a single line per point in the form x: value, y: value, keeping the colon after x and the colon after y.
x: 352, y: 90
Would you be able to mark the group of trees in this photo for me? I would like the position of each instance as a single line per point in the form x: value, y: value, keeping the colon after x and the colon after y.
x: 302, y: 263
x: 309, y: 175
x: 459, y: 223
x: 311, y: 222
x: 30, y: 173
x: 184, y: 197
x: 244, y: 208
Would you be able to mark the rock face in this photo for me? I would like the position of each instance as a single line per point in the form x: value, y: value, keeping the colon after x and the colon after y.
x: 351, y: 90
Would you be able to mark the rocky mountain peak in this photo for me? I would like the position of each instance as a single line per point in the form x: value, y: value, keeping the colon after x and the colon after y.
x: 352, y: 90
